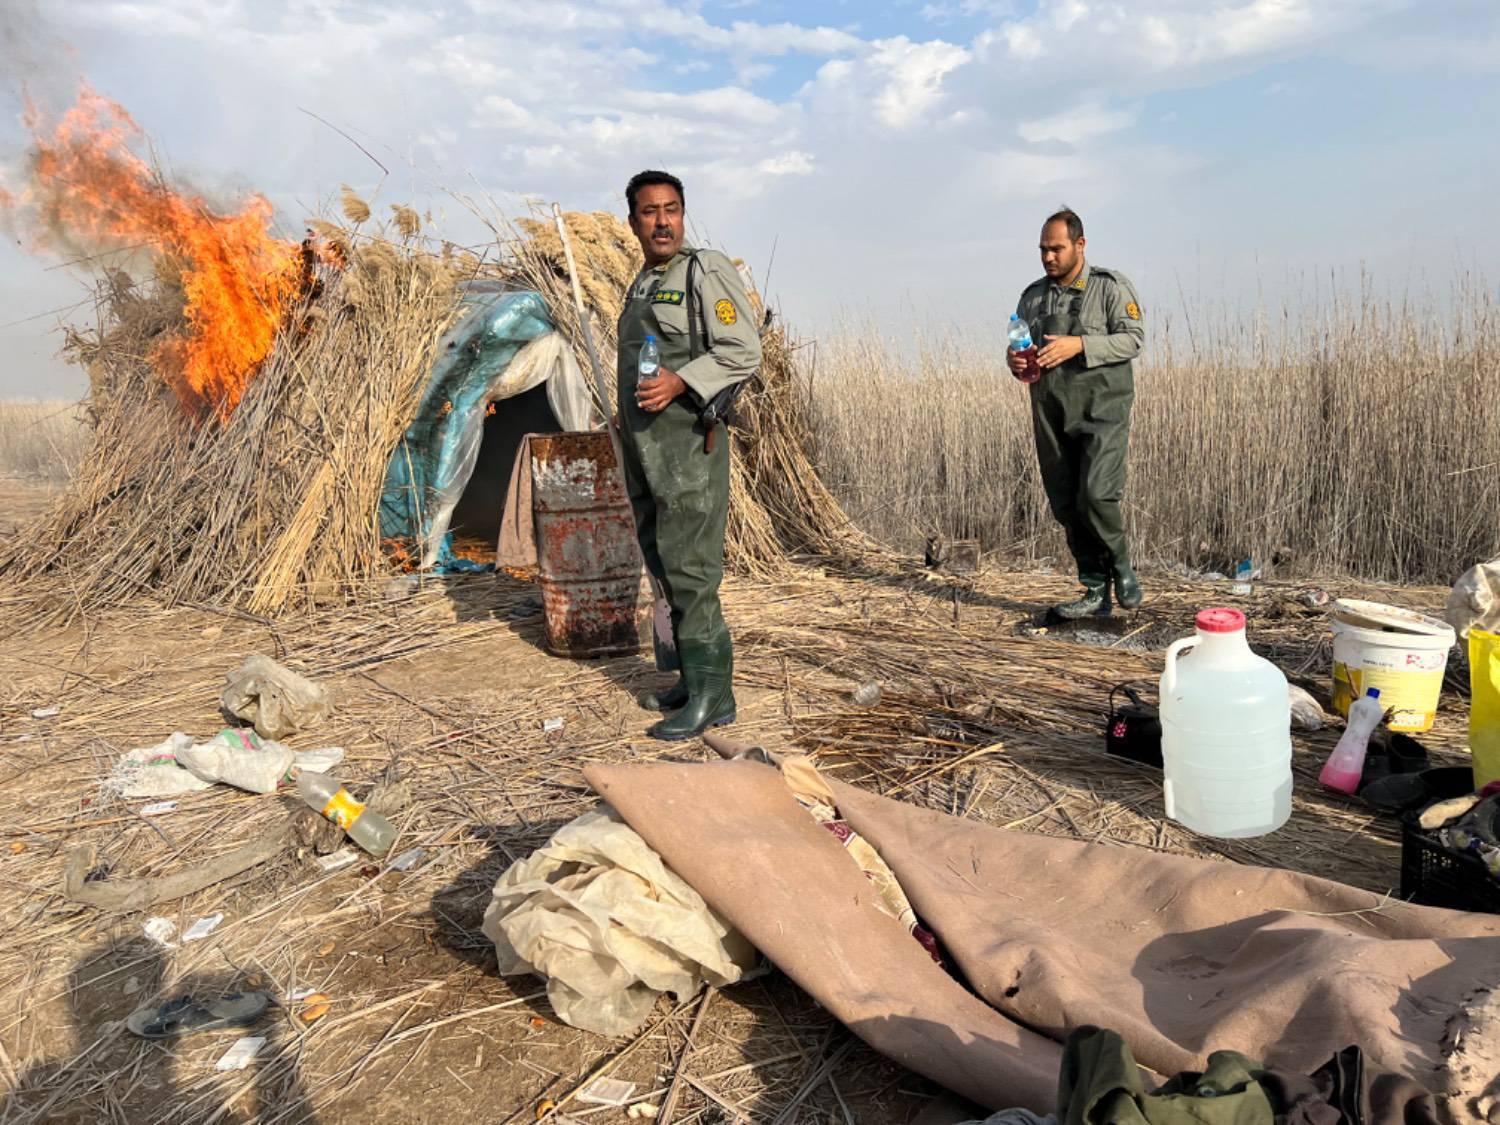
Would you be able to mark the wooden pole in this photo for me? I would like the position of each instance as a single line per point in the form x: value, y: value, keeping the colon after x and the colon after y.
x: 601, y: 387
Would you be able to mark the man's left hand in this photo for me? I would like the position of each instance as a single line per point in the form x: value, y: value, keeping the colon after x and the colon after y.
x: 655, y: 395
x: 1058, y: 350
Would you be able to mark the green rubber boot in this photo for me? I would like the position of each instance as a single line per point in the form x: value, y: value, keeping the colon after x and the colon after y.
x: 669, y: 700
x: 708, y: 671
x: 1093, y: 598
x: 1127, y: 586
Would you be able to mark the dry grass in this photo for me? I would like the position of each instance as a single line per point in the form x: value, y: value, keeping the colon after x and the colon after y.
x: 979, y: 718
x: 1359, y: 438
x: 41, y: 441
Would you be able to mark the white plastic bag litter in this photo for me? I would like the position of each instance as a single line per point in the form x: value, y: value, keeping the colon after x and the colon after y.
x: 239, y: 758
x: 598, y: 915
x: 1307, y: 712
x: 1475, y: 600
x: 276, y: 700
x: 236, y: 757
x: 153, y: 771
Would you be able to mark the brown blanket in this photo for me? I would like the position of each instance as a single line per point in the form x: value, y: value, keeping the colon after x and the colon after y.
x: 1182, y: 956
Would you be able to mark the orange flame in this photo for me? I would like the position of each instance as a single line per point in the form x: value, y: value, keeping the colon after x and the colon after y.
x: 91, y: 193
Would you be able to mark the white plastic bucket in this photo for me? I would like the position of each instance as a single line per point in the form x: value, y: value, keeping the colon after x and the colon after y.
x: 1402, y: 653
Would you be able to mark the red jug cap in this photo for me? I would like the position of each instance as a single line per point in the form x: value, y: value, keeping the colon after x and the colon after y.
x: 1220, y: 621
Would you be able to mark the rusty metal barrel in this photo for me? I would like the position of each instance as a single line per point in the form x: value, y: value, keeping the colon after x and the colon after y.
x: 593, y: 590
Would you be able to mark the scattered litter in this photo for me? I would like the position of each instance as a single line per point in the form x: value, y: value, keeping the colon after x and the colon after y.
x: 1307, y: 713
x: 1242, y: 589
x: 160, y: 930
x: 366, y: 827
x: 132, y: 986
x: 300, y: 994
x: 537, y: 1021
x: 156, y: 808
x: 606, y: 1091
x: 341, y: 858
x: 202, y: 928
x: 408, y: 859
x: 550, y: 725
x: 867, y: 694
x: 644, y: 1111
x: 544, y: 1107
x: 275, y: 699
x: 1313, y: 598
x: 242, y: 1054
x: 317, y: 1007
x: 319, y: 761
x: 326, y: 948
x: 17, y: 847
x: 236, y: 756
x: 46, y: 713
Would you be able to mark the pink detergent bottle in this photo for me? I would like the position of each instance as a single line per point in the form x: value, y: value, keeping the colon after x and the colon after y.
x: 1347, y: 762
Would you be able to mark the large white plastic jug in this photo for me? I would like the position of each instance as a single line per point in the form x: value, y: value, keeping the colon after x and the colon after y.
x: 1226, y: 741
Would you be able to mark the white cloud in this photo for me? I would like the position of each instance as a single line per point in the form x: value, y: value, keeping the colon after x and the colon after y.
x: 790, y: 163
x: 1085, y: 122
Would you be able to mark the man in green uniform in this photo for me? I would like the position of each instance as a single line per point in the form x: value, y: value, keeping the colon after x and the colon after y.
x: 1086, y: 323
x: 676, y: 464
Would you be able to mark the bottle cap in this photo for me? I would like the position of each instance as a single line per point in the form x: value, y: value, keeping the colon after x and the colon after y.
x: 1372, y: 693
x: 1219, y: 621
x: 1015, y: 316
x: 650, y: 339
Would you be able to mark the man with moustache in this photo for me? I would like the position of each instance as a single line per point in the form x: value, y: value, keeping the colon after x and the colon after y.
x: 677, y: 456
x: 1086, y: 322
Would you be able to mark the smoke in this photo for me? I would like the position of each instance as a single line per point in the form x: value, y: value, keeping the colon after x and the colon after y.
x: 40, y: 69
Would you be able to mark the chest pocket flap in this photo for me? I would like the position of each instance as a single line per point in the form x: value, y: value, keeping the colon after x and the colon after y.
x: 671, y: 317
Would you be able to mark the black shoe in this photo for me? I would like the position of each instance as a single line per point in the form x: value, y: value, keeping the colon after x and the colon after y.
x: 1089, y: 602
x: 669, y: 700
x: 708, y: 672
x: 1127, y: 587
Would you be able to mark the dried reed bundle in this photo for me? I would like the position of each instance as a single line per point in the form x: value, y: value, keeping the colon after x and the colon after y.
x: 277, y: 507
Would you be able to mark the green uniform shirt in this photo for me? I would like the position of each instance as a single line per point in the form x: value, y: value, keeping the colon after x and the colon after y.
x: 1108, y: 312
x: 656, y: 304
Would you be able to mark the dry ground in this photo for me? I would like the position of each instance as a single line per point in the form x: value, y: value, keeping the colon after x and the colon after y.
x: 448, y: 689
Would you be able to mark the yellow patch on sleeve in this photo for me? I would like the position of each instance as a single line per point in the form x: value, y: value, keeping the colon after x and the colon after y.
x: 1133, y: 311
x: 724, y: 310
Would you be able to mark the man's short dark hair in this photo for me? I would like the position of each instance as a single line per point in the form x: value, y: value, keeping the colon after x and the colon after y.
x: 1070, y: 217
x: 646, y: 179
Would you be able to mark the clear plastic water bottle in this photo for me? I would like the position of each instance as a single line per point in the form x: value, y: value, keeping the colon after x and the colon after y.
x: 1020, y: 343
x: 368, y: 829
x: 1346, y: 764
x: 650, y: 362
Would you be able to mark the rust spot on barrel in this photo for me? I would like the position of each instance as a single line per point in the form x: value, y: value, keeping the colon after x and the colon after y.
x: 593, y: 590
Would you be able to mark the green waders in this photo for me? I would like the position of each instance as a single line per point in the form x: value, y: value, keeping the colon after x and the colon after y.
x: 1080, y: 418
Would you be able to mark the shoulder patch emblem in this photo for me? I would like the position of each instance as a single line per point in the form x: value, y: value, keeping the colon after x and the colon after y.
x: 1133, y: 311
x: 667, y: 297
x: 724, y: 310
x: 1078, y: 283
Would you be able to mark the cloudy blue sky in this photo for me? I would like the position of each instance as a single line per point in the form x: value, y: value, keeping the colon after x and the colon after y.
x: 896, y: 158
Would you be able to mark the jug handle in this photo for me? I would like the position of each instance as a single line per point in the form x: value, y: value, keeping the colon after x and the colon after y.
x: 1169, y: 673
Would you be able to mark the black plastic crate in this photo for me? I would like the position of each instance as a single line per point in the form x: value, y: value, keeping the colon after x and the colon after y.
x: 1432, y: 875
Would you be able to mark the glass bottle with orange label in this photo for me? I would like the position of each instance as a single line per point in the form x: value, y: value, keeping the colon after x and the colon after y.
x: 366, y: 828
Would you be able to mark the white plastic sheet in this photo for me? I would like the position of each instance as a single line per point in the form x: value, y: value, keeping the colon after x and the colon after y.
x: 597, y: 913
x: 547, y: 359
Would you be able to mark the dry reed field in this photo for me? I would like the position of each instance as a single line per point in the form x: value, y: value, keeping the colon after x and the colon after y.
x: 1359, y: 438
x: 41, y: 442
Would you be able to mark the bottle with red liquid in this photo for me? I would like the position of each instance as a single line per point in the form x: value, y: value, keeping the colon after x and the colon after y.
x: 1346, y: 764
x: 1020, y: 343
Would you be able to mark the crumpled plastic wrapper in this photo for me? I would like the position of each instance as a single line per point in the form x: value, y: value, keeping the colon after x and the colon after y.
x: 1475, y: 600
x: 600, y: 917
x: 276, y: 700
x: 1307, y: 712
